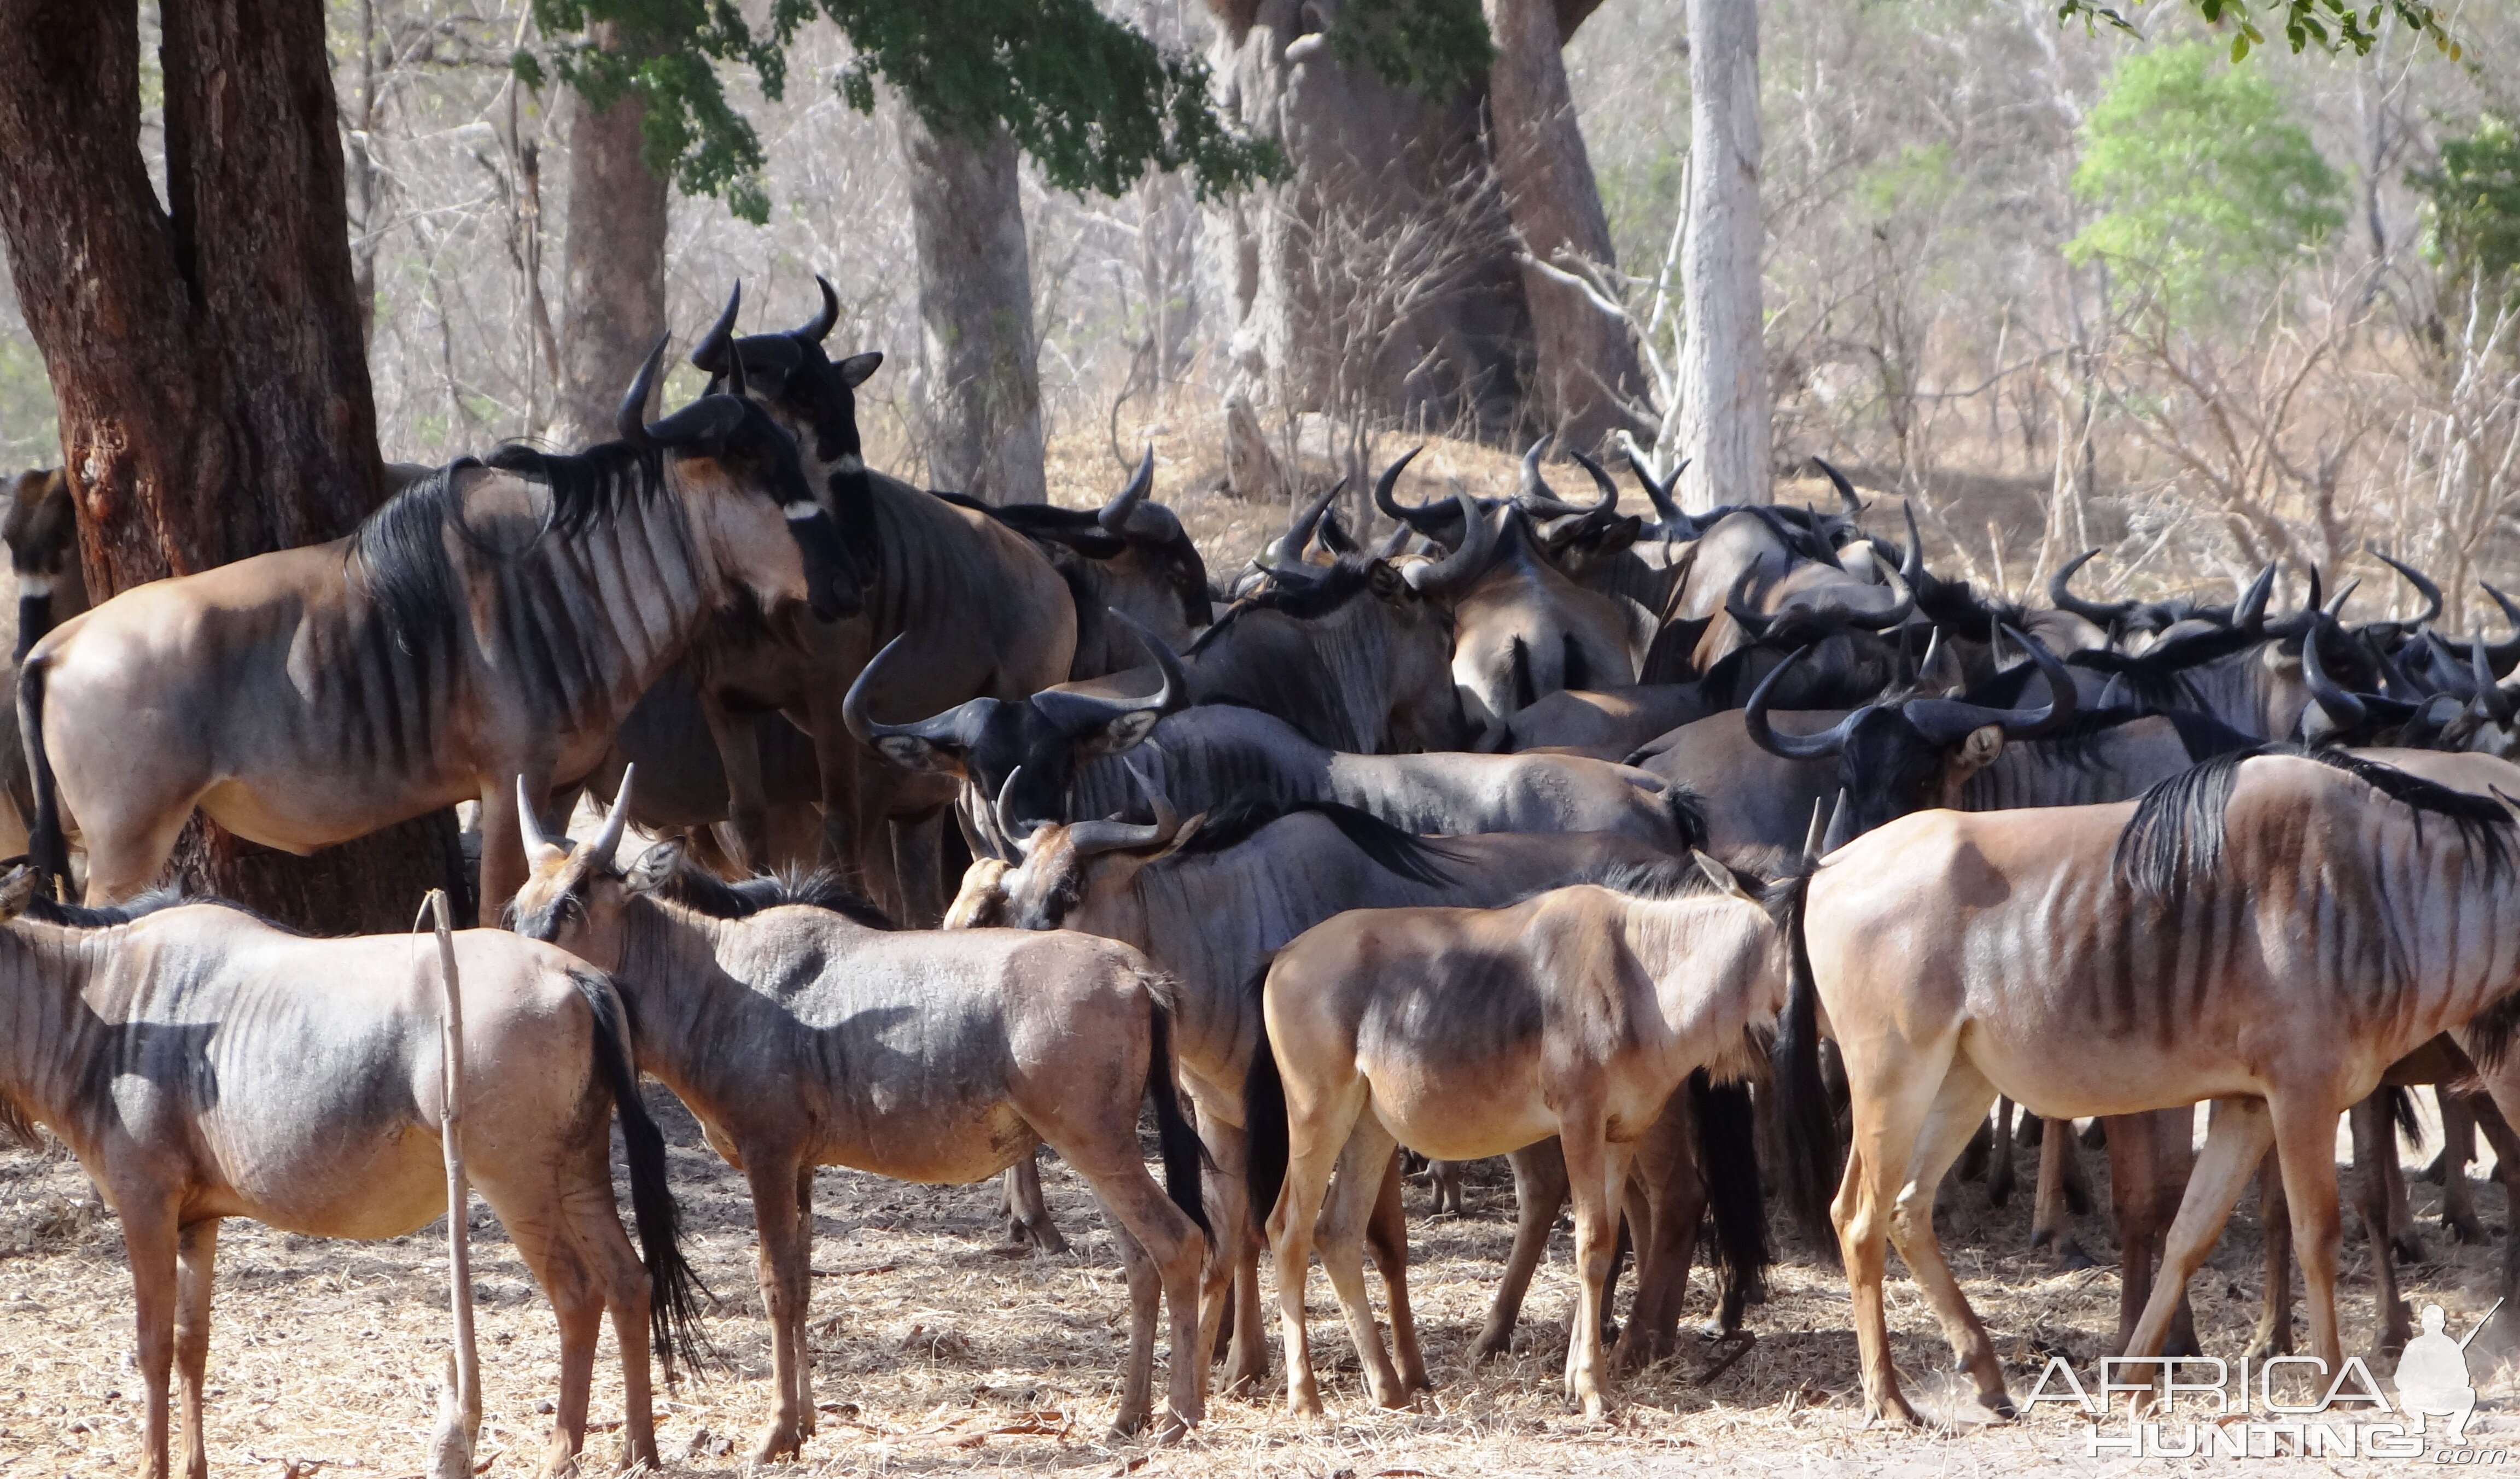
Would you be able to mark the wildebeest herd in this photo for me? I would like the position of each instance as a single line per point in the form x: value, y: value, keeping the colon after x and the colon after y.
x: 1665, y: 854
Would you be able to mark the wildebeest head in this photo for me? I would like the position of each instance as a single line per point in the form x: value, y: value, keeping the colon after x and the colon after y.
x: 1142, y: 563
x: 573, y: 892
x: 1061, y: 865
x: 809, y: 391
x: 41, y: 529
x: 1899, y: 756
x: 1021, y: 751
x: 751, y: 504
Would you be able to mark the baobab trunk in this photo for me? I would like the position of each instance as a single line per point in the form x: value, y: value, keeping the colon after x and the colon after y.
x: 1725, y: 409
x: 208, y: 358
x: 1589, y: 382
x: 979, y: 371
x: 613, y: 263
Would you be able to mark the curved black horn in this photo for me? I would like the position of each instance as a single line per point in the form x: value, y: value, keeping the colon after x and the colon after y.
x: 1077, y: 713
x: 529, y: 828
x: 2502, y: 654
x: 1899, y: 611
x: 1537, y: 499
x: 2060, y: 592
x: 2431, y: 593
x: 630, y: 419
x: 952, y: 725
x: 1089, y: 839
x: 1947, y: 721
x: 2496, y: 703
x: 1754, y: 720
x: 715, y: 353
x: 1002, y: 809
x: 2344, y: 711
x: 1454, y: 571
x: 1610, y: 501
x: 1666, y: 507
x: 1115, y: 516
x: 616, y: 822
x: 1289, y: 546
x: 1434, y: 520
x: 817, y: 329
x: 2250, y: 614
x: 1845, y: 489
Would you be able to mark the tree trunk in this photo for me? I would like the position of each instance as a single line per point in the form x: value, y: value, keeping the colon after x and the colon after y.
x: 1378, y: 282
x: 206, y: 357
x: 979, y: 375
x: 1587, y: 379
x: 613, y: 263
x: 1725, y: 409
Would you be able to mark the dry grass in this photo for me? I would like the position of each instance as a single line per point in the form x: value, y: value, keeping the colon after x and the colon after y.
x: 935, y: 1352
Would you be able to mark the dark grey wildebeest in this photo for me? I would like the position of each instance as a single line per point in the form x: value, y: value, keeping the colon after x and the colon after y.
x: 496, y: 620
x: 804, y: 1036
x: 204, y: 1064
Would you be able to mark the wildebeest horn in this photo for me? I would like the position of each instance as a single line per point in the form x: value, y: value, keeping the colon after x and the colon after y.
x: 1540, y: 501
x: 2424, y: 587
x: 952, y: 725
x: 1434, y: 520
x: 2251, y: 613
x: 616, y: 822
x: 630, y: 420
x: 1899, y: 611
x: 1091, y: 837
x: 1845, y: 489
x: 2060, y: 592
x: 529, y: 828
x: 1818, y: 830
x: 1289, y: 546
x: 2494, y: 704
x: 1079, y: 714
x: 1014, y: 832
x: 1666, y: 507
x: 2344, y: 709
x: 1119, y: 515
x: 817, y: 329
x: 1454, y: 571
x: 2344, y: 593
x: 1840, y: 826
x: 715, y: 353
x: 1947, y: 721
x: 2502, y: 654
x: 1754, y: 718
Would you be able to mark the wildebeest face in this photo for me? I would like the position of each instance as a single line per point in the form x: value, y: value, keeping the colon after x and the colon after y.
x: 1889, y: 769
x: 766, y: 526
x: 572, y: 895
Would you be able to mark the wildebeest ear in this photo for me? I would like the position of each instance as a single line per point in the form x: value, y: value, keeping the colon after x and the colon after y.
x: 1720, y: 876
x: 17, y: 890
x: 1982, y: 744
x: 857, y: 367
x: 911, y: 752
x: 704, y: 423
x: 1125, y: 733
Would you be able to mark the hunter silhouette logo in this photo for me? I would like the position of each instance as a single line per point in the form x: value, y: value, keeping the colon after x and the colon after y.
x: 2432, y: 1375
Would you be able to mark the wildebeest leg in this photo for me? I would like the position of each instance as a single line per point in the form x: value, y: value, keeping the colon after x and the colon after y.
x: 2050, y: 1226
x: 1316, y: 1134
x: 2274, y: 1336
x: 2132, y: 1173
x: 503, y: 849
x: 1099, y: 1142
x: 1663, y: 1166
x: 2507, y: 1170
x: 149, y: 1241
x: 1364, y: 1168
x: 1999, y: 1172
x: 1237, y: 1250
x: 1386, y: 1234
x: 919, y: 859
x: 1958, y: 1107
x: 538, y: 1228
x: 2306, y: 1146
x: 747, y: 803
x: 1900, y: 1093
x: 803, y: 1348
x: 1146, y: 1303
x: 836, y: 770
x: 2374, y: 1145
x: 1597, y: 1178
x: 785, y: 1265
x: 1027, y: 1213
x: 2241, y: 1130
x: 1445, y: 1177
x: 197, y: 1249
x: 1538, y: 1191
x: 2458, y: 1149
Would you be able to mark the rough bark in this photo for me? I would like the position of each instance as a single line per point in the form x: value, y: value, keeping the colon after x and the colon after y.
x: 613, y: 264
x: 1587, y: 378
x: 1378, y: 280
x: 1725, y: 408
x: 207, y: 355
x: 979, y: 370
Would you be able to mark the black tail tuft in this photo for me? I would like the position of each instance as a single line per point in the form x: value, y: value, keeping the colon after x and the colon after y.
x: 1802, y: 1101
x: 1264, y: 1124
x: 2401, y: 1103
x: 1520, y: 690
x: 674, y: 1288
x: 1185, y: 1156
x: 1728, y: 1158
x: 46, y: 847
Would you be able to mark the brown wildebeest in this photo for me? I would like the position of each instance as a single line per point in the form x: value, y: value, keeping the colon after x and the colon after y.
x: 41, y: 530
x: 205, y: 1064
x: 1464, y: 1033
x: 1211, y: 899
x: 814, y: 1036
x: 2268, y: 932
x: 494, y: 621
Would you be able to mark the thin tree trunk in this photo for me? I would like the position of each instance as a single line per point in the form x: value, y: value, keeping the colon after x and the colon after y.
x: 1589, y: 377
x: 980, y: 357
x: 1725, y: 409
x: 613, y: 261
x: 208, y: 358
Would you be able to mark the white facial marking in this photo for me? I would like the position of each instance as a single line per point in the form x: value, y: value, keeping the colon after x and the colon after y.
x: 32, y: 585
x: 801, y: 510
x: 850, y: 462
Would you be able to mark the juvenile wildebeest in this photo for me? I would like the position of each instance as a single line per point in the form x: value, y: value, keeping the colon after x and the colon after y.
x: 205, y: 1064
x: 497, y: 620
x: 804, y: 1036
x: 1463, y: 1033
x: 1210, y: 900
x: 2268, y: 932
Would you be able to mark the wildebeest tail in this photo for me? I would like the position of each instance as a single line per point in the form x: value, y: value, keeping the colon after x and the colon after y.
x: 1522, y: 692
x: 2399, y: 1100
x: 46, y: 846
x: 1728, y: 1158
x: 1184, y: 1156
x: 673, y: 1286
x: 1802, y: 1101
x: 1264, y: 1121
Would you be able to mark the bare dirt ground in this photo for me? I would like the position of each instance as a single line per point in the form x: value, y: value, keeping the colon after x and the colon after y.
x: 938, y: 1352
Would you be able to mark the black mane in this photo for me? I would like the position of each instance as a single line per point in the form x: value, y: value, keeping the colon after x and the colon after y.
x: 1329, y: 588
x: 673, y: 875
x: 1420, y: 860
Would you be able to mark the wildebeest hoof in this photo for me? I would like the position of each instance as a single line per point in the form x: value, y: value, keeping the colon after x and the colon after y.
x: 2001, y: 1407
x: 2070, y: 1255
x: 1491, y: 1344
x: 2409, y: 1247
x: 778, y: 1441
x: 2466, y: 1230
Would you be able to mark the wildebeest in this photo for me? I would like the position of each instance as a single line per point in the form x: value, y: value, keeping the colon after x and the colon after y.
x: 204, y: 1064
x: 497, y: 620
x: 2271, y: 932
x: 806, y: 1036
x: 1463, y: 1033
x: 41, y: 529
